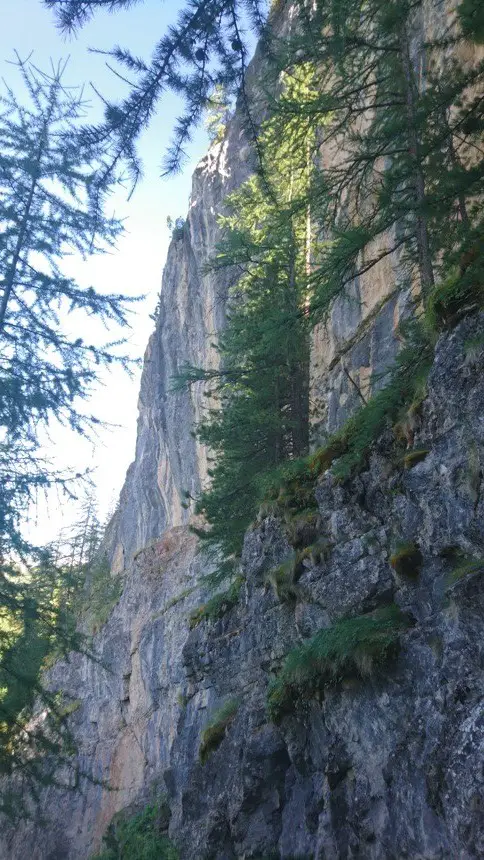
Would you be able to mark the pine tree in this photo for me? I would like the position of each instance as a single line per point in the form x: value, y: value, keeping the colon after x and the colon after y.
x: 262, y: 386
x: 402, y: 173
x: 217, y: 114
x: 407, y: 169
x: 206, y: 49
x: 37, y: 625
x: 52, y: 202
x: 51, y: 205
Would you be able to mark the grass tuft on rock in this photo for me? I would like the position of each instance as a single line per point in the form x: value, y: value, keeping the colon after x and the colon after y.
x: 467, y: 567
x: 461, y: 293
x: 412, y: 458
x: 215, y: 731
x: 218, y: 605
x: 283, y: 580
x: 352, y: 648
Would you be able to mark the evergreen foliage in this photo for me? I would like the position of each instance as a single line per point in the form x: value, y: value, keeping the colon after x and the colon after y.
x: 36, y: 626
x: 206, y: 49
x: 471, y: 16
x: 139, y: 837
x: 217, y: 114
x: 402, y: 182
x: 51, y: 205
x: 262, y: 386
x: 406, y: 171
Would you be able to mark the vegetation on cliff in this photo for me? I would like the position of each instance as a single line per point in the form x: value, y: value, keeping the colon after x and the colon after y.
x: 350, y: 649
x: 141, y: 836
x: 399, y: 177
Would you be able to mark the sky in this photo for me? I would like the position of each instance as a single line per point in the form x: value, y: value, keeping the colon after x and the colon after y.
x: 136, y: 266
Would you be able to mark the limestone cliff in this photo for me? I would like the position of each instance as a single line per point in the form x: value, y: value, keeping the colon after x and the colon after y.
x: 168, y: 460
x: 388, y: 767
x: 382, y: 768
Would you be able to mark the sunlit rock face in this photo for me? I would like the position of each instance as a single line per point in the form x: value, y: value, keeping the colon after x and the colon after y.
x: 169, y: 461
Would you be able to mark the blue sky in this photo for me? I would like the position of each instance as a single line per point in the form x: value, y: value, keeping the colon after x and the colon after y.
x: 136, y: 267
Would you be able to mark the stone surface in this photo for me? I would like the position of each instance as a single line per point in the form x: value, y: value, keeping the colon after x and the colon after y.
x: 386, y: 768
x: 168, y: 460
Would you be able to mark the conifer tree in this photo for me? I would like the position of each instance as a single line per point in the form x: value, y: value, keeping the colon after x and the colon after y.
x: 262, y: 386
x: 401, y: 173
x: 206, y: 49
x: 217, y: 114
x: 401, y: 178
x: 52, y: 203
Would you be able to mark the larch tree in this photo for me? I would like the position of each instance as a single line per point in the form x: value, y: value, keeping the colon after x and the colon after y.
x: 52, y: 205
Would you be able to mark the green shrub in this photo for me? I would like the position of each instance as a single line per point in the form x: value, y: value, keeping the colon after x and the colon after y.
x: 350, y: 648
x: 406, y: 560
x: 139, y: 837
x: 214, y: 732
x: 283, y: 578
x: 453, y: 298
x: 347, y: 450
x: 218, y: 605
x: 361, y: 431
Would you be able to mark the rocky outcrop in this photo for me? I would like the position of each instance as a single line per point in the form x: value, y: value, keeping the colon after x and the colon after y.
x: 389, y: 766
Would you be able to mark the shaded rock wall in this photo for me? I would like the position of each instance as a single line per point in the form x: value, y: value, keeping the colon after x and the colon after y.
x: 388, y: 767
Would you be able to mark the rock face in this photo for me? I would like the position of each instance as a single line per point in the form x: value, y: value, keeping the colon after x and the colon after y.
x: 386, y: 767
x: 168, y: 460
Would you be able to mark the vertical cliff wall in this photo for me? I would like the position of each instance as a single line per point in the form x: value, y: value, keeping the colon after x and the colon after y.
x: 388, y: 767
x: 168, y: 460
x: 385, y: 767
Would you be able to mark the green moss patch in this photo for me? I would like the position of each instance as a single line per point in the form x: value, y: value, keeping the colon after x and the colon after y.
x: 351, y: 648
x: 218, y: 605
x: 139, y: 837
x: 215, y: 731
